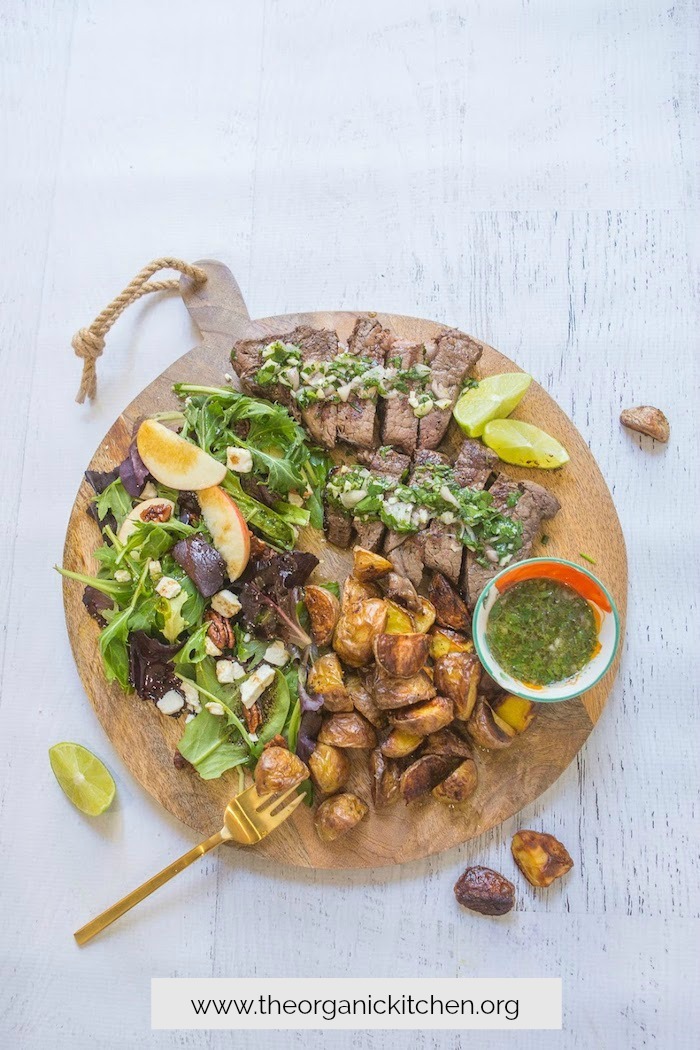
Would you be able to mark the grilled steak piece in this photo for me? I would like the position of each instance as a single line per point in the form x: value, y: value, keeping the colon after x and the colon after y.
x: 400, y: 425
x: 338, y: 527
x: 246, y: 358
x: 385, y: 460
x: 369, y: 534
x: 407, y: 558
x: 318, y: 344
x: 451, y: 357
x: 400, y: 589
x: 357, y: 420
x: 535, y: 505
x: 442, y: 550
x: 474, y: 464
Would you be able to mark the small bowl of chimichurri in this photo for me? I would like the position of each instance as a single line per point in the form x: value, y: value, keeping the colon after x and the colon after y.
x: 546, y: 629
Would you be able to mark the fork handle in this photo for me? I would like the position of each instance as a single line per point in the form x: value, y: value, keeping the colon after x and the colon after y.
x: 100, y: 922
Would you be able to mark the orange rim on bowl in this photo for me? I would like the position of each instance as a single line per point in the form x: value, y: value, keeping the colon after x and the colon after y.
x: 588, y: 587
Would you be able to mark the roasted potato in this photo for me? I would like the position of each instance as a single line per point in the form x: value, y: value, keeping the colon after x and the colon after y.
x: 485, y: 891
x: 400, y: 589
x: 391, y: 692
x: 324, y: 610
x: 401, y: 655
x: 424, y: 774
x: 338, y: 815
x: 355, y: 592
x: 279, y: 770
x: 364, y: 702
x: 398, y: 620
x: 330, y: 768
x: 326, y: 680
x: 356, y: 630
x: 399, y: 742
x: 424, y: 718
x: 443, y: 641
x: 540, y: 857
x: 348, y: 730
x: 459, y: 785
x: 450, y: 610
x: 368, y: 566
x: 457, y: 675
x: 486, y: 729
x: 517, y: 711
x: 447, y: 742
x: 386, y: 779
x: 425, y: 617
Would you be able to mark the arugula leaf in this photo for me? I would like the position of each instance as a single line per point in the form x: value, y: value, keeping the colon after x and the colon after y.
x: 298, y: 516
x: 207, y: 745
x: 193, y: 651
x: 114, y: 638
x: 116, y: 499
x: 316, y: 469
x: 170, y: 610
x: 275, y: 529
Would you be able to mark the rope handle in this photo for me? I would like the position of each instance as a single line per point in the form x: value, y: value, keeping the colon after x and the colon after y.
x: 89, y: 342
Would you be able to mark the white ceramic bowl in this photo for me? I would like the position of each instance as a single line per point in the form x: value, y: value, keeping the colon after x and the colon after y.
x: 590, y: 588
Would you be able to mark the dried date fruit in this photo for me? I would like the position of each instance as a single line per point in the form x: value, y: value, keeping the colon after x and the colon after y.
x: 484, y: 890
x: 540, y: 857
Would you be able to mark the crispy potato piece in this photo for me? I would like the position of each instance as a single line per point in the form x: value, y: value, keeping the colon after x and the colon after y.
x: 447, y: 742
x: 324, y: 610
x: 364, y: 702
x: 450, y: 610
x: 424, y: 718
x: 330, y: 768
x: 424, y: 774
x: 326, y: 680
x: 338, y: 815
x: 348, y: 730
x: 386, y: 779
x: 398, y: 620
x: 485, y: 891
x: 459, y: 785
x: 425, y: 617
x: 402, y: 655
x: 399, y: 743
x: 488, y: 730
x: 368, y: 566
x: 443, y: 641
x: 457, y: 675
x: 278, y: 770
x: 356, y: 630
x: 400, y: 589
x: 540, y: 857
x: 517, y: 711
x: 391, y: 692
x: 355, y: 592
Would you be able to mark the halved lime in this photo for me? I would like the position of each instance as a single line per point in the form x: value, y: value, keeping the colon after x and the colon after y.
x: 523, y: 444
x: 84, y: 779
x: 494, y: 398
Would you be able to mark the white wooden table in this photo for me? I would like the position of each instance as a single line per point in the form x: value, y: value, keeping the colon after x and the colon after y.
x: 525, y: 169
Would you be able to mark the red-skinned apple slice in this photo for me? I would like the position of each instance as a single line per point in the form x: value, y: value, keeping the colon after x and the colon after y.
x: 175, y: 462
x: 227, y: 527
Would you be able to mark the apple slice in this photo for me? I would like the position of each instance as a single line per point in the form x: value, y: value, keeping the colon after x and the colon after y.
x: 155, y: 509
x: 227, y: 527
x: 175, y: 462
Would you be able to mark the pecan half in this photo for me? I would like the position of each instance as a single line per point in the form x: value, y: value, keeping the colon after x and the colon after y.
x: 220, y: 630
x: 485, y: 891
x: 157, y: 512
x: 253, y: 717
x: 540, y: 857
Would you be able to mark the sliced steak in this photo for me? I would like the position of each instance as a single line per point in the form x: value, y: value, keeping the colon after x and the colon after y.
x: 338, y: 527
x: 369, y: 534
x: 451, y: 357
x: 400, y: 424
x: 356, y: 421
x: 475, y: 464
x: 385, y: 460
x: 442, y: 550
x: 407, y: 558
x: 318, y: 344
x: 400, y: 589
x: 246, y: 358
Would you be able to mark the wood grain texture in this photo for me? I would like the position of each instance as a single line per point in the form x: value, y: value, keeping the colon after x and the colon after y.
x: 508, y: 780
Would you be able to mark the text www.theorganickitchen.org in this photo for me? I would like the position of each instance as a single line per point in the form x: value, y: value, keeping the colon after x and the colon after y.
x: 329, y: 1009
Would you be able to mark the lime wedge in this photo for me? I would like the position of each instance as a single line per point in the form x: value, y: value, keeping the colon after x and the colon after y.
x: 523, y: 444
x: 494, y: 398
x: 83, y: 778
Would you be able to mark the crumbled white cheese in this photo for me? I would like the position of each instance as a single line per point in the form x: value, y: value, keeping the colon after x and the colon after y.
x: 189, y: 718
x: 215, y: 708
x: 167, y: 587
x: 246, y: 637
x: 122, y: 576
x: 238, y: 671
x: 228, y: 377
x: 226, y: 603
x: 224, y: 671
x: 210, y: 649
x: 149, y: 491
x: 276, y: 654
x: 191, y: 696
x: 154, y: 569
x: 239, y: 459
x: 171, y: 702
x: 256, y: 685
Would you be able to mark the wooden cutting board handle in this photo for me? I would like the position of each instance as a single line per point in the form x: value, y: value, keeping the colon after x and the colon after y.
x: 216, y: 306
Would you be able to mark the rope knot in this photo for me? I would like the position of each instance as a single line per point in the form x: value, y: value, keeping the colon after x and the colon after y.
x: 87, y: 344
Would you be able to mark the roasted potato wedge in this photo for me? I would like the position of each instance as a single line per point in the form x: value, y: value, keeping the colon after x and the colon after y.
x: 424, y: 718
x: 354, y: 592
x: 356, y: 630
x: 450, y: 610
x: 364, y: 702
x: 399, y: 743
x: 401, y: 655
x: 457, y: 675
x: 326, y: 680
x: 400, y: 589
x: 540, y: 857
x: 386, y: 779
x: 424, y: 774
x: 330, y: 768
x: 398, y: 620
x: 391, y: 692
x: 348, y: 730
x: 488, y: 730
x: 425, y: 617
x: 278, y: 769
x: 324, y: 611
x: 338, y: 815
x: 368, y: 566
x: 443, y: 641
x: 459, y: 785
x: 447, y: 742
x: 517, y: 711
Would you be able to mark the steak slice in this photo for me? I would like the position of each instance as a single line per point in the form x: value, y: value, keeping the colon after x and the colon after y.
x: 318, y: 344
x: 384, y: 460
x: 475, y: 464
x: 535, y: 505
x: 369, y: 534
x: 407, y: 558
x: 400, y: 424
x: 338, y: 527
x: 451, y: 357
x: 442, y: 550
x: 246, y: 358
x: 356, y: 421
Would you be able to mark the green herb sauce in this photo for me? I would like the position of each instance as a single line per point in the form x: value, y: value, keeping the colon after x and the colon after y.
x: 541, y: 631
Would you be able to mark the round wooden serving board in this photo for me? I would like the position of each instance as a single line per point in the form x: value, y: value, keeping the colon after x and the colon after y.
x: 508, y: 779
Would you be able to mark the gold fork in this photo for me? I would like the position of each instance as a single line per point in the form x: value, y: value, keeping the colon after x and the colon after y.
x: 248, y: 818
